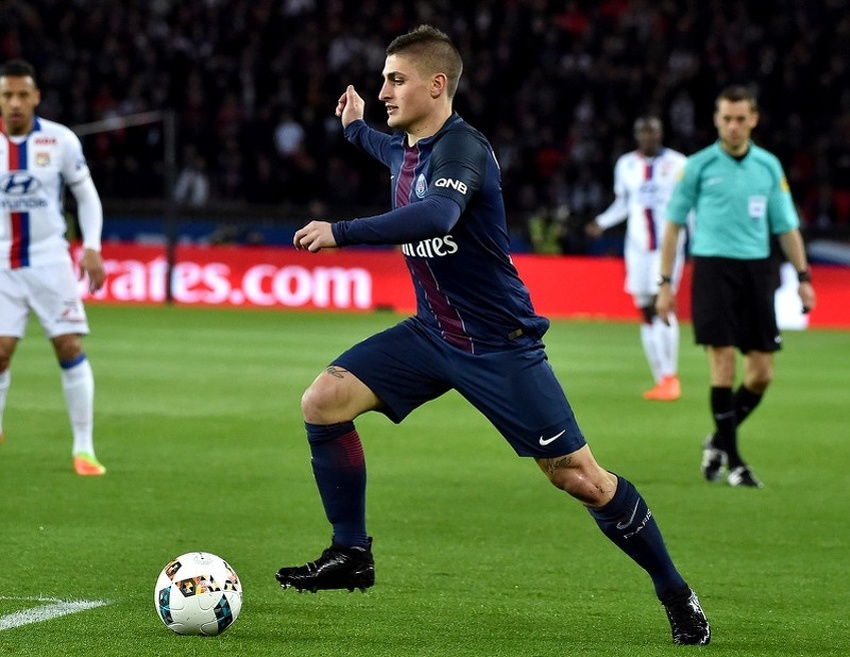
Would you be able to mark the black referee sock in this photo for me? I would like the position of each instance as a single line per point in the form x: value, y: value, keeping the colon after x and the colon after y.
x: 725, y: 422
x: 745, y: 401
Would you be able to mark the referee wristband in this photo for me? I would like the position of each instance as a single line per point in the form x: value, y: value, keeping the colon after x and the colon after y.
x: 804, y: 276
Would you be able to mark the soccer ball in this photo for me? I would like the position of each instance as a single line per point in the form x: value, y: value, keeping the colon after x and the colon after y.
x: 198, y: 593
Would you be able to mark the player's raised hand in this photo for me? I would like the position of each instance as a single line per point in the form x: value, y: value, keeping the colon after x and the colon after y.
x: 314, y: 237
x: 350, y: 106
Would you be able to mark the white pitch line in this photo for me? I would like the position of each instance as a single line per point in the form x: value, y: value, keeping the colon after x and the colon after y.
x: 37, y: 598
x: 50, y: 608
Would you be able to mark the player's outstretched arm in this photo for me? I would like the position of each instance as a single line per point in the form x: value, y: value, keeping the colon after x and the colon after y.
x: 314, y: 237
x: 350, y: 106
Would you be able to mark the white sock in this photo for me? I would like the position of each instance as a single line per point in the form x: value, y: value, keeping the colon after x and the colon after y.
x: 5, y: 382
x: 651, y: 347
x: 667, y: 339
x: 78, y: 385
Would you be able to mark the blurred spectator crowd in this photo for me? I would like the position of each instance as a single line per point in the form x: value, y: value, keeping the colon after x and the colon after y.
x: 556, y: 87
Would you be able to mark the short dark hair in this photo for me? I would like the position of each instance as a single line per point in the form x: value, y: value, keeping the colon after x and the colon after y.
x: 17, y: 68
x: 434, y: 50
x: 648, y: 122
x: 736, y: 93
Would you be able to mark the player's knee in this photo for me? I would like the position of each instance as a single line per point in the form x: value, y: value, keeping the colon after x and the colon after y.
x: 67, y: 347
x: 322, y: 403
x: 312, y: 404
x: 758, y: 372
x: 759, y: 381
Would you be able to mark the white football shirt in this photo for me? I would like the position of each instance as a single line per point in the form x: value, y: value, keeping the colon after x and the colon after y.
x: 34, y: 170
x: 642, y: 187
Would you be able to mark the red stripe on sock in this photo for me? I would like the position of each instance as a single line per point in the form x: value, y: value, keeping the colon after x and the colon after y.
x: 352, y: 449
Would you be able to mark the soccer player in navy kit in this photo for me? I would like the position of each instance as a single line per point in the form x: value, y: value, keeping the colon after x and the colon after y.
x: 474, y: 331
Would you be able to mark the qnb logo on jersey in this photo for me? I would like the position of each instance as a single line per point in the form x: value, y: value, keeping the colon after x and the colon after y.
x: 19, y: 183
x: 436, y: 247
x: 451, y: 182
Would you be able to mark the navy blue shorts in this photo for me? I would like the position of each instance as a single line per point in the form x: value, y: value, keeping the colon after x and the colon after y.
x: 516, y: 389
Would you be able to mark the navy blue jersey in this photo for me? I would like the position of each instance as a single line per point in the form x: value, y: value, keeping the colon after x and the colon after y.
x: 467, y: 289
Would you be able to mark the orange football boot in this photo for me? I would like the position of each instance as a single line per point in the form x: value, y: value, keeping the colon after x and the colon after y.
x: 667, y: 389
x: 88, y: 465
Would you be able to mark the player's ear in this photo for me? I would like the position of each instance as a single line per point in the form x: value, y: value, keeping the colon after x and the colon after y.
x: 439, y: 83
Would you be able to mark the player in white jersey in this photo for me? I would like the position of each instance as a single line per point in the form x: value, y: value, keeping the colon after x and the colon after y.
x: 643, y: 182
x: 38, y: 158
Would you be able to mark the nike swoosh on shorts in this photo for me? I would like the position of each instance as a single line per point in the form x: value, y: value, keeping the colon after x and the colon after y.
x: 546, y: 441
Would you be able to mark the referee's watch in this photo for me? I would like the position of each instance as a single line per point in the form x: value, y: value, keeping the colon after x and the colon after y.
x: 663, y: 280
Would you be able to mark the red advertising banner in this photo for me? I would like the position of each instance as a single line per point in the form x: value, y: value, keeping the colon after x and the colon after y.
x: 369, y: 279
x: 261, y: 277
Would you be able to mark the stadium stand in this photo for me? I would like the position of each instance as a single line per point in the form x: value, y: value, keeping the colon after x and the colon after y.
x: 556, y: 85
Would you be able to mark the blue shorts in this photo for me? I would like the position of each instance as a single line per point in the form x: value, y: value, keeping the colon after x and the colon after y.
x: 516, y: 389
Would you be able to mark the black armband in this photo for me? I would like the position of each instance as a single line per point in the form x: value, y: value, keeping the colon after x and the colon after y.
x: 804, y: 276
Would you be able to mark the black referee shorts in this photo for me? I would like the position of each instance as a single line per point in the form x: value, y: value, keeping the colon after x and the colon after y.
x: 733, y: 303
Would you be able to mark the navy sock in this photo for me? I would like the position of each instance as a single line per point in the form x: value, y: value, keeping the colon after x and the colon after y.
x: 725, y: 423
x: 340, y: 471
x: 629, y: 523
x: 745, y: 401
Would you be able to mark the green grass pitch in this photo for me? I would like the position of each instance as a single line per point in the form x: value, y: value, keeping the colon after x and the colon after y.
x: 198, y: 422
